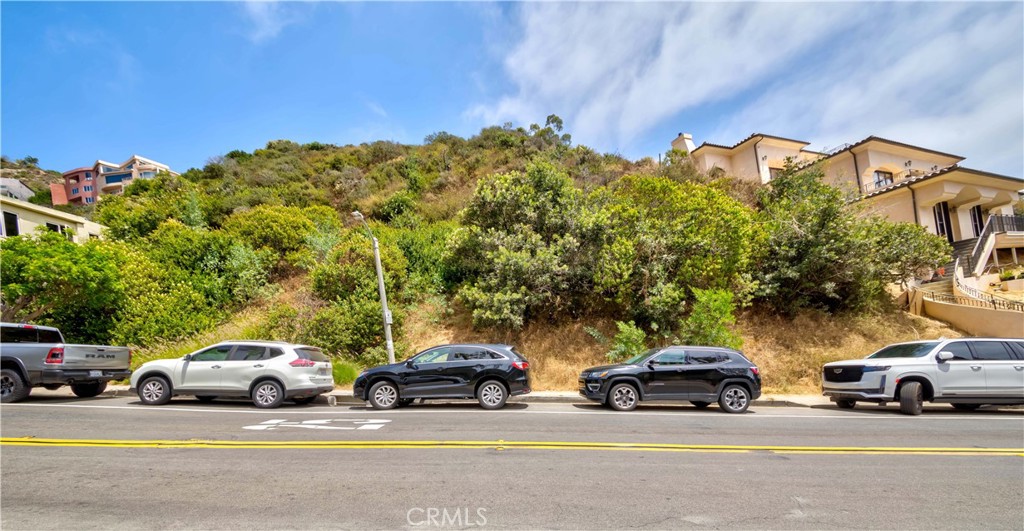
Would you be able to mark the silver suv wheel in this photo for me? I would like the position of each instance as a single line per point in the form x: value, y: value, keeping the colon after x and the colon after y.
x: 623, y: 397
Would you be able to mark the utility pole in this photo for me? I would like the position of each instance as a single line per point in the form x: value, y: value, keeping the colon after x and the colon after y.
x: 380, y: 287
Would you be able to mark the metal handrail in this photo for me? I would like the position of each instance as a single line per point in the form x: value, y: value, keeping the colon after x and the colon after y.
x: 974, y: 292
x: 995, y: 223
x: 1012, y: 306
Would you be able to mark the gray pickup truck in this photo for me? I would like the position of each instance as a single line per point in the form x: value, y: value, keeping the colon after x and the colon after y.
x: 36, y: 356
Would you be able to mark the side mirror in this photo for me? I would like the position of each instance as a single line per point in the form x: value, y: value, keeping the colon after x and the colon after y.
x: 411, y: 364
x: 651, y: 364
x: 187, y: 357
x: 945, y: 355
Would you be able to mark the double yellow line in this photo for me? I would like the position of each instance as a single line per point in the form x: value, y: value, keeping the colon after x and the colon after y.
x: 504, y: 445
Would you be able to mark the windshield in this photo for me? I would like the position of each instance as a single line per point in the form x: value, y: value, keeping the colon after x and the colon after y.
x: 639, y: 357
x: 909, y: 350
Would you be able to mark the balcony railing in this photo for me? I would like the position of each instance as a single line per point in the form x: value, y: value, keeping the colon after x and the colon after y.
x: 878, y: 184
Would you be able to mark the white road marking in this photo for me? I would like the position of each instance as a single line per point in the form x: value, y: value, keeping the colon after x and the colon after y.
x: 752, y: 415
x: 319, y: 424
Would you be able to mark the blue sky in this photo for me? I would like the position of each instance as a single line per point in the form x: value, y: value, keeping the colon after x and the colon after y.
x: 184, y: 82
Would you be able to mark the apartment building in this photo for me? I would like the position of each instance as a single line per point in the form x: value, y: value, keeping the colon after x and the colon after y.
x: 84, y: 186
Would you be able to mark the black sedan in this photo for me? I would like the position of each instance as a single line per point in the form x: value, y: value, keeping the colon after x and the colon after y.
x: 488, y: 373
x: 700, y: 375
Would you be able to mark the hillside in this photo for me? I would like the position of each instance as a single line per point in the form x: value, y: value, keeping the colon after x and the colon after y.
x: 37, y: 179
x: 513, y: 235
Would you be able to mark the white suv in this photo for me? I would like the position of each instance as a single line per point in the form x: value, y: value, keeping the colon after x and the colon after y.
x: 966, y: 372
x: 266, y: 371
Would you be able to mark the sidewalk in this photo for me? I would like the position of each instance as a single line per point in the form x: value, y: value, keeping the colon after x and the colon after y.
x: 344, y: 396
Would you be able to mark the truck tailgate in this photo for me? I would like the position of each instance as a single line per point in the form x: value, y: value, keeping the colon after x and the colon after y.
x: 96, y: 357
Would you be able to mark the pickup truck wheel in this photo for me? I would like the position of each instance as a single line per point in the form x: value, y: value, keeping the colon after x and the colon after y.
x: 911, y: 398
x: 267, y: 394
x: 88, y: 389
x: 846, y: 403
x: 967, y: 407
x: 154, y: 391
x: 12, y: 387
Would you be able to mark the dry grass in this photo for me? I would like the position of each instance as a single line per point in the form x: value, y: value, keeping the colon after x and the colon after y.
x: 790, y: 353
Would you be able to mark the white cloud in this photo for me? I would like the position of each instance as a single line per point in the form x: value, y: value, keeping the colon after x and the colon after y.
x: 946, y: 76
x: 375, y: 108
x: 267, y: 18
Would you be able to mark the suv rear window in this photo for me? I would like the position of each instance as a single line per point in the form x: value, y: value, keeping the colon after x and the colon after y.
x: 907, y: 350
x: 311, y: 353
x: 990, y: 350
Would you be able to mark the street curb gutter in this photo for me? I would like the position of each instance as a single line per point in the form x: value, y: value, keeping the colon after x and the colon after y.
x: 343, y: 398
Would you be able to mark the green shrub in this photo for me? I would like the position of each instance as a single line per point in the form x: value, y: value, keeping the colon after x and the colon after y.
x: 351, y: 328
x: 628, y: 342
x: 344, y: 372
x: 394, y: 206
x: 349, y: 270
x: 710, y: 320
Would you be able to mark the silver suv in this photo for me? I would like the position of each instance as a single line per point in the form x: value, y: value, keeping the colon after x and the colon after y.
x: 965, y: 372
x: 268, y: 372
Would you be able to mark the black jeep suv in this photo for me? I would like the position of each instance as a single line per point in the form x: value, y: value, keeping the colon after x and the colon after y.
x: 489, y: 373
x: 701, y: 375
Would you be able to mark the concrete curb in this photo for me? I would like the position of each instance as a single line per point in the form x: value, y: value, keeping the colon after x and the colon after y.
x: 346, y: 398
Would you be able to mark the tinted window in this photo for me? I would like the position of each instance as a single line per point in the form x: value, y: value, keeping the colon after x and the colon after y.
x: 959, y: 350
x: 990, y: 350
x: 275, y: 352
x: 14, y: 334
x: 248, y: 352
x: 698, y: 357
x: 909, y: 350
x: 674, y: 357
x: 311, y: 353
x: 218, y: 353
x: 49, y: 336
x: 1017, y: 347
x: 469, y: 354
x: 437, y: 355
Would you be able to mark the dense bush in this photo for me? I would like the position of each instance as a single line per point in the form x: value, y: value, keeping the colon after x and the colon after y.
x: 710, y: 320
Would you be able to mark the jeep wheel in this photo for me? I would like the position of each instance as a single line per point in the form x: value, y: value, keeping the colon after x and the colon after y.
x: 846, y: 403
x: 88, y: 389
x: 12, y: 387
x: 911, y: 398
x: 384, y: 395
x: 734, y: 399
x: 623, y: 397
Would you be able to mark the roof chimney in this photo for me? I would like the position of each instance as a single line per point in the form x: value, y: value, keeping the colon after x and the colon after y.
x: 684, y: 142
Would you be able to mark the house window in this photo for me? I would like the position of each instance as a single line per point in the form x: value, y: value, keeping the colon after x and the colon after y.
x: 773, y: 173
x: 942, y: 225
x: 10, y: 224
x: 882, y: 178
x: 89, y: 200
x: 88, y: 188
x: 88, y: 176
x: 74, y: 191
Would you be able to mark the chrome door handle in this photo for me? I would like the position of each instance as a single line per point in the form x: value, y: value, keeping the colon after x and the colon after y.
x: 975, y: 367
x: 215, y: 367
x: 258, y: 366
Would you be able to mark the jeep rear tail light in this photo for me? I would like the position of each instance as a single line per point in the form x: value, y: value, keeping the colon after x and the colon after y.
x: 303, y: 363
x: 55, y: 356
x: 521, y: 365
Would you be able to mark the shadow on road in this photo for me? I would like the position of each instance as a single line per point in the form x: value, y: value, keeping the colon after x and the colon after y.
x: 938, y: 409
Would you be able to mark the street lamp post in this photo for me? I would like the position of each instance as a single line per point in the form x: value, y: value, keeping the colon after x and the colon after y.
x: 380, y: 287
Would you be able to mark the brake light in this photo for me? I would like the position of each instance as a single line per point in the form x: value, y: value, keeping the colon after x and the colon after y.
x: 521, y: 365
x: 55, y: 356
x: 303, y: 363
x: 756, y: 371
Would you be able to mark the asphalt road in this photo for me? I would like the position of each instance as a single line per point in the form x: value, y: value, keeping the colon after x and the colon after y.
x: 111, y: 463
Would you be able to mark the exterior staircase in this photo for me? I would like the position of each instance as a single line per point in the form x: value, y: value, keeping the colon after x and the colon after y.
x: 940, y: 287
x: 962, y: 250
